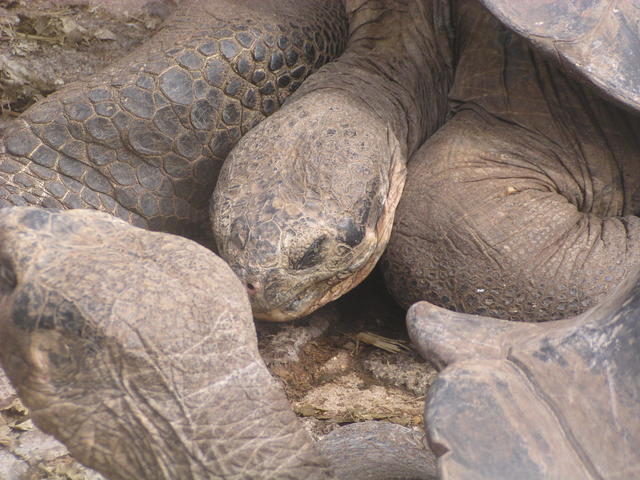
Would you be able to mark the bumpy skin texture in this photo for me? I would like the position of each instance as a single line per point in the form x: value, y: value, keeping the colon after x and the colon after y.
x: 524, y: 204
x: 138, y: 351
x: 383, y: 450
x: 557, y: 400
x: 304, y: 204
x: 145, y: 139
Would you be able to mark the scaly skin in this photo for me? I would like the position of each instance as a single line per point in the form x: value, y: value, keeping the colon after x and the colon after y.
x: 137, y: 350
x: 304, y: 204
x: 144, y: 139
x: 525, y: 204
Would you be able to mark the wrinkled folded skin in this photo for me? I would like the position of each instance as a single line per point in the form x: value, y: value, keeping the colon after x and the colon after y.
x: 558, y: 400
x: 524, y: 205
x: 138, y: 351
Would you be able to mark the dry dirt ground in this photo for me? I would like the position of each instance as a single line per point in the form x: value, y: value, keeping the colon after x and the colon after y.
x: 327, y: 364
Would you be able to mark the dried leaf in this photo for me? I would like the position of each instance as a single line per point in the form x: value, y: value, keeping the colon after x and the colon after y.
x: 69, y: 25
x: 25, y: 426
x: 306, y: 410
x: 14, y: 407
x: 384, y: 343
x: 42, y: 25
x: 42, y: 28
x: 62, y: 468
x: 73, y: 32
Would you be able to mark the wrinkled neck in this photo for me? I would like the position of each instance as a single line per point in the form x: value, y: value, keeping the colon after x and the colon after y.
x: 398, y: 62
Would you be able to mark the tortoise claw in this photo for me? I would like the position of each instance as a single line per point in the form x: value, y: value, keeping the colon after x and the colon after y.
x: 444, y: 336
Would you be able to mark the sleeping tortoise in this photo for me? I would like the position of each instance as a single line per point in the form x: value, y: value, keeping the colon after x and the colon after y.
x: 145, y: 139
x: 524, y: 203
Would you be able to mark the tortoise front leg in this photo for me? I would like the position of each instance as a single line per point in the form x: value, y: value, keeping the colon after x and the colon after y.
x: 491, y: 223
x: 536, y: 401
x: 524, y: 204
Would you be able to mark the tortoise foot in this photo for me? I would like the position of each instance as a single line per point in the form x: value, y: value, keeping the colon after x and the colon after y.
x: 554, y: 400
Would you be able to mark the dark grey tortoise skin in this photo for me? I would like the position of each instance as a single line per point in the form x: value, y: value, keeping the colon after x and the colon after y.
x: 558, y: 400
x: 145, y: 138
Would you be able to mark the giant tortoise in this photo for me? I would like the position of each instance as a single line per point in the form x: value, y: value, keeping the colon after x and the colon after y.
x: 523, y: 205
x: 539, y: 137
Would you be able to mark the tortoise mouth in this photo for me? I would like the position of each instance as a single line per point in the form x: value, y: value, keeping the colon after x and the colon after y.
x: 311, y: 299
x: 302, y: 304
x: 277, y: 315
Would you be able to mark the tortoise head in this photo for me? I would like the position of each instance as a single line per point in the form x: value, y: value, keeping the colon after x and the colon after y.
x: 304, y: 205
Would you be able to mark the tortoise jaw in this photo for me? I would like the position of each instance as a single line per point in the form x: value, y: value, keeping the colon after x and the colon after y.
x: 276, y: 315
x: 303, y: 304
x: 309, y: 300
